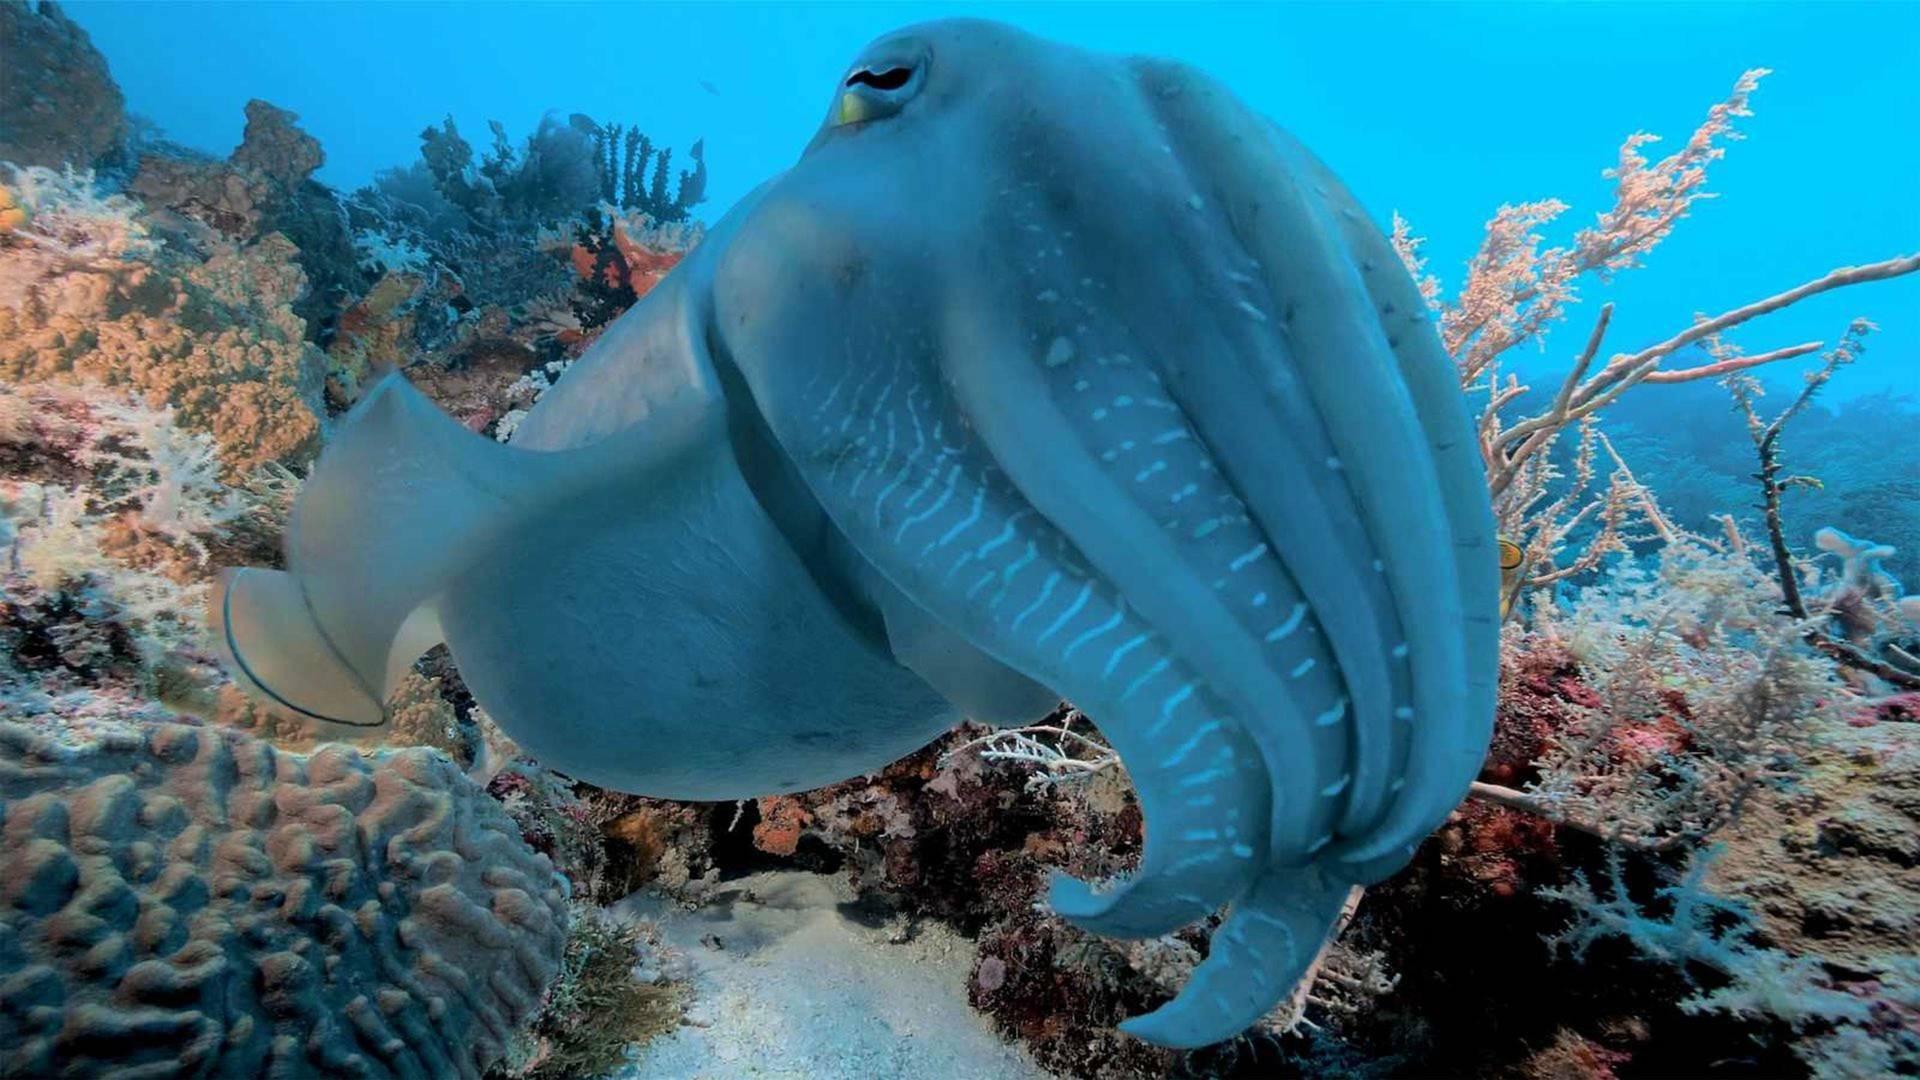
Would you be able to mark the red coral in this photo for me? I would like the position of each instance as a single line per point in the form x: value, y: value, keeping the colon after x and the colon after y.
x: 1541, y: 695
x: 1062, y: 993
x: 1573, y: 1056
x: 1898, y: 709
x: 1498, y: 847
x: 1641, y: 744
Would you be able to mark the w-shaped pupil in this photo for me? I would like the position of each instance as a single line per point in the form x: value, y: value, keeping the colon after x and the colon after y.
x: 890, y: 79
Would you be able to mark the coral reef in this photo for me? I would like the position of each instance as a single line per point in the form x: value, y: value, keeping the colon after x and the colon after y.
x: 1867, y: 607
x: 1862, y: 583
x: 264, y: 185
x: 92, y: 299
x: 1830, y: 867
x: 275, y: 147
x: 669, y: 846
x: 162, y: 392
x: 1702, y: 696
x: 483, y: 276
x: 1651, y: 718
x: 619, y: 256
x: 551, y: 818
x: 170, y: 354
x: 187, y: 900
x: 230, y: 201
x: 109, y: 519
x: 623, y: 174
x: 1860, y: 569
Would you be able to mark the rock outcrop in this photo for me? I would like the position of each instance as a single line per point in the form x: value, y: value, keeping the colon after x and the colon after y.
x: 58, y: 104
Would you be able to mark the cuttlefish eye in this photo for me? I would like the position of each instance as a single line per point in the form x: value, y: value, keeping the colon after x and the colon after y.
x: 890, y: 79
x: 873, y: 91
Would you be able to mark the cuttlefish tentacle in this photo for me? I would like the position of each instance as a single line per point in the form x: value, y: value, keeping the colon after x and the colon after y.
x: 1198, y: 569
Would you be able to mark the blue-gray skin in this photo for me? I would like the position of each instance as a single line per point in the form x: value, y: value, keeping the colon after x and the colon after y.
x: 1041, y: 374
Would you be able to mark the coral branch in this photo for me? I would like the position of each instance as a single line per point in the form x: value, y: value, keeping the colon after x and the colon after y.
x: 1296, y: 1004
x: 1517, y: 287
x: 1623, y: 367
x: 1729, y: 366
x: 1514, y: 799
x: 1070, y: 754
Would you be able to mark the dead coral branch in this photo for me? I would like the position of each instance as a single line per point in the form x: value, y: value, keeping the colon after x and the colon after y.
x: 1746, y: 393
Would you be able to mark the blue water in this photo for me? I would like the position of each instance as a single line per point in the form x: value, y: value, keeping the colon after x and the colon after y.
x: 1439, y: 111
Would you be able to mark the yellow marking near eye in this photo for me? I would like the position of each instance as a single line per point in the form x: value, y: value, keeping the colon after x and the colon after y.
x: 853, y: 109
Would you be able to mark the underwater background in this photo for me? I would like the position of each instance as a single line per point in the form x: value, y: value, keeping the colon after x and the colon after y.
x: 1694, y: 849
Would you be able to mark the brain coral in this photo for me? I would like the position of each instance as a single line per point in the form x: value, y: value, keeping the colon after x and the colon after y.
x: 189, y: 901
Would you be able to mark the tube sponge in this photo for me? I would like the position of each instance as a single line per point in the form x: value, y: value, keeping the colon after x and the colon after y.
x: 190, y: 901
x: 1860, y: 562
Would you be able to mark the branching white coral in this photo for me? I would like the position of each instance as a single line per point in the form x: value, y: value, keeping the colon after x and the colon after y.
x: 87, y: 541
x: 529, y: 388
x: 1056, y: 752
x: 1698, y: 927
x: 390, y: 253
x: 68, y: 226
x: 1705, y: 694
x: 171, y: 476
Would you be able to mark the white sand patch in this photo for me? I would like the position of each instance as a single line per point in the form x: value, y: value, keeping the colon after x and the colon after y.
x: 803, y: 983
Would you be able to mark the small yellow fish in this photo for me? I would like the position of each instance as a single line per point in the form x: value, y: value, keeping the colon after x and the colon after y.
x: 1510, y: 559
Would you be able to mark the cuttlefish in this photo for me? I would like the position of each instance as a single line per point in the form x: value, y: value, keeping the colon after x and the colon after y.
x: 1042, y: 374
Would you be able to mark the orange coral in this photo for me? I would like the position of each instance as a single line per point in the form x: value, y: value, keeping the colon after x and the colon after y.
x: 12, y: 214
x: 374, y: 334
x: 217, y: 340
x: 782, y: 820
x: 1573, y: 1056
x: 1518, y: 288
x: 640, y: 263
x: 642, y: 835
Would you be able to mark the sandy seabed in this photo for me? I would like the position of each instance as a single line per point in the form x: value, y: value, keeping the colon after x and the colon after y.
x: 794, y: 978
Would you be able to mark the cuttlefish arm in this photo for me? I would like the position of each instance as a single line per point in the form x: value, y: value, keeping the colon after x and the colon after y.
x: 1371, y: 364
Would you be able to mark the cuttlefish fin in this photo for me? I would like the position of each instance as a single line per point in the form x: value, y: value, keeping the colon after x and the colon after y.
x: 401, y: 503
x: 278, y: 649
